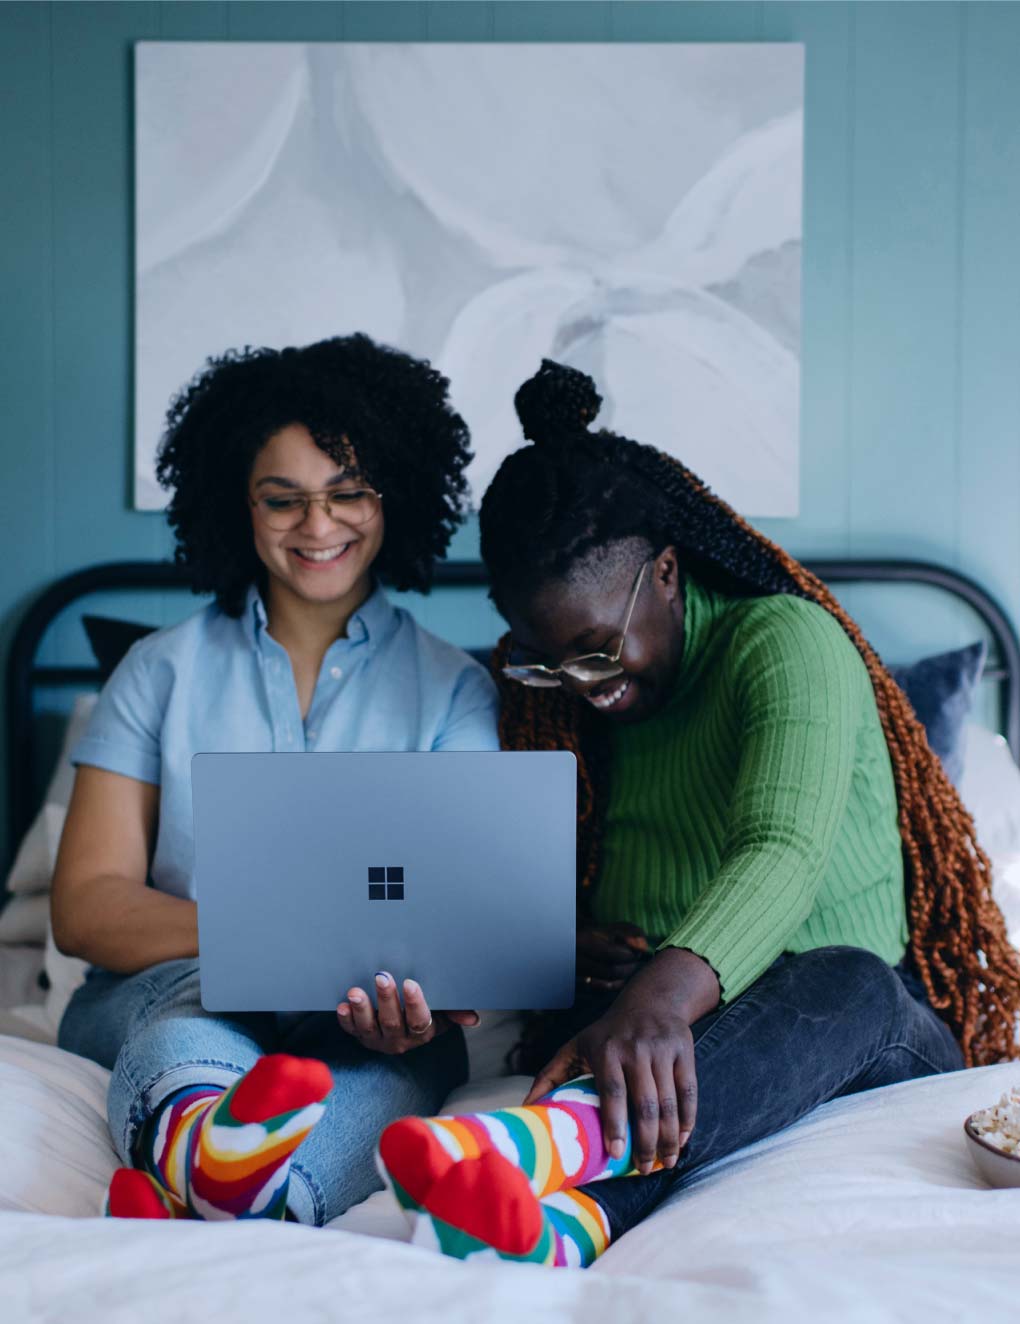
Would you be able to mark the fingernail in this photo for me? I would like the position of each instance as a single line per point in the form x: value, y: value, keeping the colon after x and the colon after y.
x: 670, y: 1161
x: 356, y: 998
x: 343, y: 1010
x: 684, y: 1137
x: 381, y: 980
x: 410, y: 986
x: 616, y: 1149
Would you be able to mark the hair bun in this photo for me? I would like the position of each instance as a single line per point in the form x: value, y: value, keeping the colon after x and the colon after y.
x: 556, y: 404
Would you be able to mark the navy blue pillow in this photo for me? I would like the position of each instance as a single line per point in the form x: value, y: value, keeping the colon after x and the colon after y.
x: 941, y: 690
x: 110, y: 640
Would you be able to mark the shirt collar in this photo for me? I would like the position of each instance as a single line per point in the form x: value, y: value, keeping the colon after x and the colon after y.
x: 253, y: 617
x: 374, y: 620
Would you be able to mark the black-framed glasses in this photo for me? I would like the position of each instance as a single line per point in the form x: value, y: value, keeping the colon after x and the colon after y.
x: 588, y: 667
x: 352, y: 505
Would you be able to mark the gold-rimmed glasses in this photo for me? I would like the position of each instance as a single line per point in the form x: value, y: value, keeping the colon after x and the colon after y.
x: 587, y: 667
x: 353, y: 504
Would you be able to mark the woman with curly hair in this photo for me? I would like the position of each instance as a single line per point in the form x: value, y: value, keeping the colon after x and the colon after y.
x: 297, y: 476
x: 782, y: 897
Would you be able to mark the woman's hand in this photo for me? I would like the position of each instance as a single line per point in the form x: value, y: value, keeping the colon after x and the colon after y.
x: 641, y: 1053
x: 395, y: 1029
x: 608, y: 954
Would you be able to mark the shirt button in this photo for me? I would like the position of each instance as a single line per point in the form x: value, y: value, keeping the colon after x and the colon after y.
x: 336, y: 672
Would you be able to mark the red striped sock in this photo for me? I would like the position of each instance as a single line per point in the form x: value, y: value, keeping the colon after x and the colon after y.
x: 137, y: 1194
x: 226, y: 1154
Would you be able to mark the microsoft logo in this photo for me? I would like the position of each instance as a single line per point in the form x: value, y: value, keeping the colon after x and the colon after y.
x: 386, y: 884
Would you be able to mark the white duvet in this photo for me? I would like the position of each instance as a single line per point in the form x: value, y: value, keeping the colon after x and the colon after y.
x: 868, y: 1210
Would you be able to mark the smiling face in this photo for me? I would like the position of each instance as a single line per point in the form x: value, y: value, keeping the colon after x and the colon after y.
x: 566, y: 618
x: 319, y: 561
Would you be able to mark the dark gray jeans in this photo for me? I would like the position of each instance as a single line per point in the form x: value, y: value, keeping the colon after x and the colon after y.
x: 815, y: 1026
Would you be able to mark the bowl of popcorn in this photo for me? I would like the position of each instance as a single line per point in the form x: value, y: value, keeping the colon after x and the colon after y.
x: 993, y: 1138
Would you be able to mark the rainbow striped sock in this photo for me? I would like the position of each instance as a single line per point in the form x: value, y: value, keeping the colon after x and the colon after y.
x: 485, y: 1207
x: 444, y: 1174
x: 226, y: 1154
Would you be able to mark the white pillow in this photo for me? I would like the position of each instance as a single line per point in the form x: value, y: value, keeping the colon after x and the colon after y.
x: 32, y: 870
x: 24, y: 918
x: 55, y: 1150
x: 65, y: 974
x: 33, y: 865
x: 27, y: 910
x: 990, y: 788
x: 1006, y: 890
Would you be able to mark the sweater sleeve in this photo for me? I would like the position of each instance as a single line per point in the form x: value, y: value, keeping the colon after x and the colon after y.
x: 801, y: 687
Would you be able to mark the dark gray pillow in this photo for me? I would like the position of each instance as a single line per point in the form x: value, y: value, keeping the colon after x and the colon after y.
x: 111, y: 639
x: 941, y: 690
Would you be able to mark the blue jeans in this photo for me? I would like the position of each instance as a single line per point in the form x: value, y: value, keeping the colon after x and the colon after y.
x: 151, y: 1031
x: 813, y: 1027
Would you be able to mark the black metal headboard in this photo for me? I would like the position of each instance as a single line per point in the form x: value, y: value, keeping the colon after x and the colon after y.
x: 25, y: 675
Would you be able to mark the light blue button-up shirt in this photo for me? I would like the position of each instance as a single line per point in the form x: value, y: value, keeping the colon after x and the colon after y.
x: 216, y: 683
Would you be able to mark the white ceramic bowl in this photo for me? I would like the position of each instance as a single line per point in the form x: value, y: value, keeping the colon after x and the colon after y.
x: 997, y: 1168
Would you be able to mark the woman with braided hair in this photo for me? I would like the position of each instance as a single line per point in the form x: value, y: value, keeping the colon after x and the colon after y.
x: 781, y: 896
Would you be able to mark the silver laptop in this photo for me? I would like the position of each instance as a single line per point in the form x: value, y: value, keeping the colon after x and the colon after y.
x: 315, y: 870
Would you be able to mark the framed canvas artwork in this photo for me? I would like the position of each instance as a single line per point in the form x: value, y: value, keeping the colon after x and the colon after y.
x: 633, y: 210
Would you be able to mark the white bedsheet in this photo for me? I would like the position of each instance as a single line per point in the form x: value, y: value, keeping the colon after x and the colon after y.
x: 869, y: 1210
x: 96, y: 1271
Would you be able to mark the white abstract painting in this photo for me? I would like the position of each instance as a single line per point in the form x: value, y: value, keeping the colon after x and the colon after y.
x: 633, y: 210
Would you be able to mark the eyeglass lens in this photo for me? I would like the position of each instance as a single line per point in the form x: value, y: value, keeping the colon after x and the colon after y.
x: 287, y: 511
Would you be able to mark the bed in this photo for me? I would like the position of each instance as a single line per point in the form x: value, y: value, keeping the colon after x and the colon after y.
x: 868, y: 1209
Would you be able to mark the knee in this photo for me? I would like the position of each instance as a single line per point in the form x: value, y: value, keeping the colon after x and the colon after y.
x: 856, y: 979
x: 175, y: 986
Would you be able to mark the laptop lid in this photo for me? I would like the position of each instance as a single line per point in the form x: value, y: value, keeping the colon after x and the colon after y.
x: 315, y: 870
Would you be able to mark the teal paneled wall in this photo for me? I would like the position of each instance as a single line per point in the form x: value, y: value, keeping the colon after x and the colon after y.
x: 911, y: 388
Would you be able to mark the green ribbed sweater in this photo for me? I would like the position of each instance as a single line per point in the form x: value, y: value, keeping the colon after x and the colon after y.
x: 756, y: 813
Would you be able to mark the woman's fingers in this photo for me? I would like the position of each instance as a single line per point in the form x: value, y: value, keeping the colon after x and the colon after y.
x: 685, y: 1075
x: 562, y: 1068
x: 633, y: 937
x: 417, y: 1013
x: 598, y: 950
x: 621, y: 969
x: 392, y: 1026
x: 669, y: 1111
x: 391, y: 1015
x: 643, y: 1096
x: 468, y: 1018
x: 615, y: 943
x: 612, y: 1088
x: 613, y: 960
x: 362, y: 1012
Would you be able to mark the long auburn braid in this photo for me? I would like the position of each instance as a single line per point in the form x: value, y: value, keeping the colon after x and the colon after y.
x: 571, y: 487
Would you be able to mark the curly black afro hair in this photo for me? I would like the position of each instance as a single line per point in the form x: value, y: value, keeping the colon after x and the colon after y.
x: 357, y: 399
